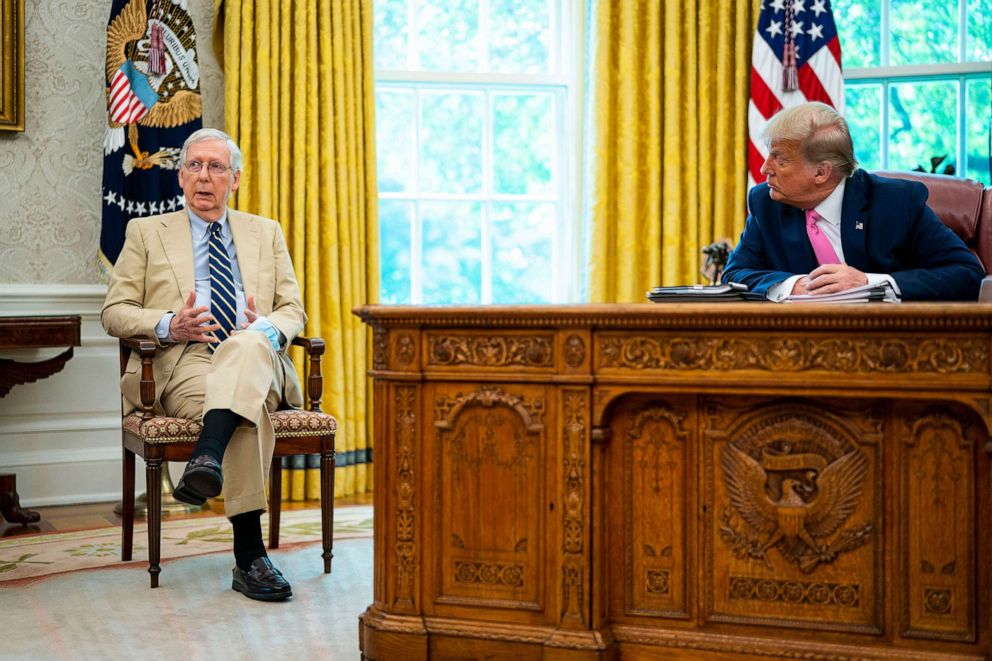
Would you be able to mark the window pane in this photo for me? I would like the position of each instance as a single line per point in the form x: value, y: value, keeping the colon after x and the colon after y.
x: 452, y: 252
x: 391, y: 34
x: 395, y: 123
x: 520, y: 36
x: 864, y: 117
x: 448, y: 35
x: 979, y: 122
x: 521, y: 245
x: 922, y: 124
x: 451, y: 142
x: 924, y: 33
x: 859, y: 26
x: 395, y: 221
x: 523, y: 127
x: 979, y: 44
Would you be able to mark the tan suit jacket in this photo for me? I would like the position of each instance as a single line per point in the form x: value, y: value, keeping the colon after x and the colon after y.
x: 154, y: 275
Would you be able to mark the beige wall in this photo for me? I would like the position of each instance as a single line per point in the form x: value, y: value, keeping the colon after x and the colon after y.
x: 51, y: 175
x: 61, y: 435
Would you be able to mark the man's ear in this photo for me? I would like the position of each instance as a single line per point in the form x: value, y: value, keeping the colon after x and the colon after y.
x: 824, y: 169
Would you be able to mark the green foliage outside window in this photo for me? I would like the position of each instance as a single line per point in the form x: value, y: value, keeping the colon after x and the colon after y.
x: 905, y: 120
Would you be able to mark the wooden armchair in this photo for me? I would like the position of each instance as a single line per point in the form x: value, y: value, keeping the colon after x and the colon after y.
x: 159, y: 438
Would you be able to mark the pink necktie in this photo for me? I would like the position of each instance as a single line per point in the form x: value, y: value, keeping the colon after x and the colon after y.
x: 825, y: 253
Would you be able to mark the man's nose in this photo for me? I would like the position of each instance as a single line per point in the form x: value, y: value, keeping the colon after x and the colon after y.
x: 204, y: 173
x: 765, y: 168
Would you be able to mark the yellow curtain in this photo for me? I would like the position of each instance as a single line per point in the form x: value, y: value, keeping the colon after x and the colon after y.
x: 298, y: 94
x: 669, y: 87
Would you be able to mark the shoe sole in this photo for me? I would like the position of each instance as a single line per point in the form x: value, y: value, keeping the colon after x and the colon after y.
x: 184, y: 495
x: 197, y: 485
x: 261, y: 596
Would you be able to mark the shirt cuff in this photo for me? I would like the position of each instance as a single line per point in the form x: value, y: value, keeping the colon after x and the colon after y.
x: 263, y: 325
x: 783, y: 289
x: 879, y: 278
x: 162, y: 328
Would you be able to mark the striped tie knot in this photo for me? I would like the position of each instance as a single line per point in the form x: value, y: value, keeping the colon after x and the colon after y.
x: 223, y: 303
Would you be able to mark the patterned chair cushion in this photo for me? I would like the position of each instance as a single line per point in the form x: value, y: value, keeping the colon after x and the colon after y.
x: 289, y: 423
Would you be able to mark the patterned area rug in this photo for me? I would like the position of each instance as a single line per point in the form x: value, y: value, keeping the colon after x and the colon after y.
x: 34, y: 556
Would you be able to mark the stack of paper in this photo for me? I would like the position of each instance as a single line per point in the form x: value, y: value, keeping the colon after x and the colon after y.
x: 699, y: 293
x: 862, y: 294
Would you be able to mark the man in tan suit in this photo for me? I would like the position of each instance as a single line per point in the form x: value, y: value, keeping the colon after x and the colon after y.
x: 216, y: 288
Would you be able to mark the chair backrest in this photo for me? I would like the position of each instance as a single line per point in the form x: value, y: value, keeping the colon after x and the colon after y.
x: 963, y: 205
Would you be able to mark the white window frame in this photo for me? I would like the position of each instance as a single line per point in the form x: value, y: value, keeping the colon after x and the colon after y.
x: 885, y: 75
x: 565, y: 57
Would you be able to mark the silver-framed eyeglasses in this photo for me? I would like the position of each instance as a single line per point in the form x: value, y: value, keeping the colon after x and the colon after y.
x: 213, y: 167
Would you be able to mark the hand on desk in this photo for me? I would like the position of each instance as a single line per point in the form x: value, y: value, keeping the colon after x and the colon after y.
x: 829, y: 278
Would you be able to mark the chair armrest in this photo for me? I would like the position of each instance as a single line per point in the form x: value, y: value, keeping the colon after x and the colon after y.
x: 314, y: 348
x: 985, y: 293
x: 145, y: 349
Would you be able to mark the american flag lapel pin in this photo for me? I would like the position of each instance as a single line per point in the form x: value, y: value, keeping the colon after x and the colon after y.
x: 859, y: 224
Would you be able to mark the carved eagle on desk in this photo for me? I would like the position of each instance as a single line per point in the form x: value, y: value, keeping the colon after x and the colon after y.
x: 812, y: 504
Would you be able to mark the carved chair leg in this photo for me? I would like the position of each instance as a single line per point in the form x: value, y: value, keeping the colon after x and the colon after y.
x: 327, y: 502
x: 127, y: 507
x: 153, y: 490
x: 275, y: 501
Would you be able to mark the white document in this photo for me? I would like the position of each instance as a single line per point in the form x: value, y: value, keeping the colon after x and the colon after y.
x: 863, y: 294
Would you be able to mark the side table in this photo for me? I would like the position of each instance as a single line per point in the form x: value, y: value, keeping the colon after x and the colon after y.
x: 17, y: 332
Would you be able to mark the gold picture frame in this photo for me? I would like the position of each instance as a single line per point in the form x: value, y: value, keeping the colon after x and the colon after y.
x: 11, y: 65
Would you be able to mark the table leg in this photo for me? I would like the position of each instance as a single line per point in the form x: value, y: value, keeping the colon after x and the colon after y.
x: 10, y: 502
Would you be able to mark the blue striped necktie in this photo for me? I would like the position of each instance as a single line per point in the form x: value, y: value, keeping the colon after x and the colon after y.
x: 222, y: 301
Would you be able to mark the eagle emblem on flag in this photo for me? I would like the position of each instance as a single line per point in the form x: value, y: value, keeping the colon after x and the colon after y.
x: 153, y: 104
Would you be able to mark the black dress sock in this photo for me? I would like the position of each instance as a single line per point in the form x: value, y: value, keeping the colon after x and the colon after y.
x: 218, y: 427
x: 248, y: 545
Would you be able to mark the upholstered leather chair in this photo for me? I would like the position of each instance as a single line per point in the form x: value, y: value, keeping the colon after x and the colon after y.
x: 963, y: 205
x: 157, y: 438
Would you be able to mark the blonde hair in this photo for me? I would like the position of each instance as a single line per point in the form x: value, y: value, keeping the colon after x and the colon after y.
x: 820, y: 131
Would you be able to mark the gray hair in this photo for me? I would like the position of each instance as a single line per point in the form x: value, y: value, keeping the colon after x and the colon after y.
x: 201, y: 135
x: 822, y: 134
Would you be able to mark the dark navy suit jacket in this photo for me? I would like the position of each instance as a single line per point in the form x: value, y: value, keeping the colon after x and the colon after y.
x: 886, y: 227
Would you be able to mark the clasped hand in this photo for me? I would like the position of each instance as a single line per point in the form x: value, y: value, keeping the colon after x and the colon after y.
x: 829, y: 279
x: 195, y: 324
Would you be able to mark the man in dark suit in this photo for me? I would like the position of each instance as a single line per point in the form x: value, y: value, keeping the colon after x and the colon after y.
x: 819, y: 225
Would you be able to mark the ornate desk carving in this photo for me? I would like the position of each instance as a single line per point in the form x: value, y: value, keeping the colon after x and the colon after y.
x: 604, y: 482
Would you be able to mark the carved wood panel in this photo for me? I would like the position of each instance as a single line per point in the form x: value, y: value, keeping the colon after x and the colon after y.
x: 506, y: 349
x: 794, y: 513
x: 490, y: 449
x: 652, y: 468
x: 575, y: 588
x: 938, y: 521
x: 859, y: 354
x: 405, y: 516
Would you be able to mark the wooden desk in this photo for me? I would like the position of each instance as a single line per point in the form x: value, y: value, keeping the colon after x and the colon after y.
x: 31, y: 333
x: 693, y: 481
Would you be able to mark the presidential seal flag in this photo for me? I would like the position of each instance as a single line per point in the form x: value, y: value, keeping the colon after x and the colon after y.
x: 153, y: 104
x: 795, y: 58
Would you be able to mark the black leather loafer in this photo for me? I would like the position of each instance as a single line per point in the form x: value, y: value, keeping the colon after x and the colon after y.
x: 262, y: 581
x: 202, y: 479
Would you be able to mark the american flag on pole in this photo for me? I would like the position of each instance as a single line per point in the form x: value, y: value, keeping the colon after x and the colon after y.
x: 795, y: 58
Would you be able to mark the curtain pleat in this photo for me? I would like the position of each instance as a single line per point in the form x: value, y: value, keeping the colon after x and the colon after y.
x: 668, y: 126
x: 298, y: 92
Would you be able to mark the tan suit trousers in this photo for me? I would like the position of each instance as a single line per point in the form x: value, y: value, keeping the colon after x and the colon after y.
x: 246, y: 376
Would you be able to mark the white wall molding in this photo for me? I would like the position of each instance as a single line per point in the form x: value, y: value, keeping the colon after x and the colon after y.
x: 61, y: 435
x: 67, y: 456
